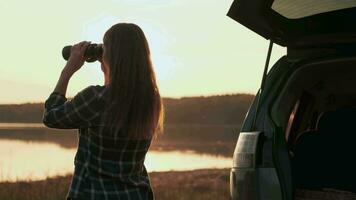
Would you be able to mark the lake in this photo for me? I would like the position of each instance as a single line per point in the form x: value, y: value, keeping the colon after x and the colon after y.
x: 32, y: 159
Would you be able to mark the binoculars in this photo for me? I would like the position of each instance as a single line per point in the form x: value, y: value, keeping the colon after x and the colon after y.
x: 92, y: 53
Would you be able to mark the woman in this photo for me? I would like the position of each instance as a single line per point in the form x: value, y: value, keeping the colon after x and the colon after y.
x: 116, y: 121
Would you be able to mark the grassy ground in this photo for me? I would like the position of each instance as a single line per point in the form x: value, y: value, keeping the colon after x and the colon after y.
x: 209, y: 184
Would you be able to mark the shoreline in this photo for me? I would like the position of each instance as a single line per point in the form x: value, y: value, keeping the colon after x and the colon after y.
x: 195, y: 184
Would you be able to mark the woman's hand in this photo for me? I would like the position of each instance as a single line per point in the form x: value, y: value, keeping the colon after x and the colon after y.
x: 76, y: 58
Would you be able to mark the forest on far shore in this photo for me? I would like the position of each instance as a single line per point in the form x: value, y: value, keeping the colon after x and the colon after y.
x: 203, y: 124
x: 222, y: 109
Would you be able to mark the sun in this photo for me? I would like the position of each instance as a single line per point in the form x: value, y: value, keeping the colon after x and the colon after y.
x: 159, y: 41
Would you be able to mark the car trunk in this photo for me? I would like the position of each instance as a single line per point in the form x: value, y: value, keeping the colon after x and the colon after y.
x: 322, y: 158
x: 317, y: 108
x: 320, y: 28
x: 327, y: 194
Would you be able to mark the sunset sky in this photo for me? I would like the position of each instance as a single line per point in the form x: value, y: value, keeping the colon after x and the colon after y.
x: 196, y: 49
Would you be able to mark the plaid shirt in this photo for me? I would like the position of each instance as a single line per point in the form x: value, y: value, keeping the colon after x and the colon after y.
x: 107, y: 166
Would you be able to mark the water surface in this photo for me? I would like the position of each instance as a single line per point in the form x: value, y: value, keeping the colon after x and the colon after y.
x: 29, y: 160
x: 21, y: 125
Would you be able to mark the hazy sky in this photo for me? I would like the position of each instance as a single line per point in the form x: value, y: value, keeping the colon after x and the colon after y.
x: 196, y: 49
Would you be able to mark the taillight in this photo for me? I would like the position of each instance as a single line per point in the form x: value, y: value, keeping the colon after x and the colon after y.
x: 243, y: 177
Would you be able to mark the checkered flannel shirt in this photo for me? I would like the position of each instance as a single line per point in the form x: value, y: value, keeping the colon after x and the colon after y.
x: 107, y: 166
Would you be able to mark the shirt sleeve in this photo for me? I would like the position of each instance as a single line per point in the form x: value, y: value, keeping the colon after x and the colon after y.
x: 80, y: 112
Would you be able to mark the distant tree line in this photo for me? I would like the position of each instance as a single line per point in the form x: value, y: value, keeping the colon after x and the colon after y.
x: 215, y: 110
x: 203, y: 124
x: 24, y: 113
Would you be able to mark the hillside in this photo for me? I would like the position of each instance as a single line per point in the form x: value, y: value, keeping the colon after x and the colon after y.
x: 202, y: 124
x: 223, y: 110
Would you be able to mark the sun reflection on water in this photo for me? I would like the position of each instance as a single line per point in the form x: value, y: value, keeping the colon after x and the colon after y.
x: 22, y: 160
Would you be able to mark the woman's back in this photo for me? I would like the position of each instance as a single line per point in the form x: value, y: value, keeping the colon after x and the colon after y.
x: 116, y: 121
x: 108, y: 165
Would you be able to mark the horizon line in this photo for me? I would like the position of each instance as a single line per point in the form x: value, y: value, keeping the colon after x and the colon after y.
x: 164, y: 97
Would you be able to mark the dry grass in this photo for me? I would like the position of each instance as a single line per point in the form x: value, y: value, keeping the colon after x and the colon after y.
x: 209, y: 184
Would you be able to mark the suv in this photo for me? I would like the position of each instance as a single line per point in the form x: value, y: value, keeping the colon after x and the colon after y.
x: 300, y: 131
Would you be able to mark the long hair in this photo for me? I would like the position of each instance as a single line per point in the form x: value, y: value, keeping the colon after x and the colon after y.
x: 135, y: 105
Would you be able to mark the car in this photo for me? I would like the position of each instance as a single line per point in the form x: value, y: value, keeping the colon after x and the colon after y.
x: 300, y: 131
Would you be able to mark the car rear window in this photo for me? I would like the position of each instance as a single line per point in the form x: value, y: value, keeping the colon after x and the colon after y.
x: 294, y: 9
